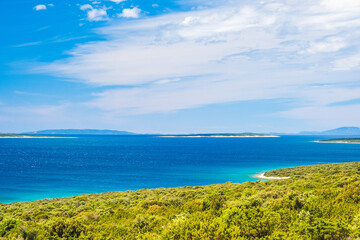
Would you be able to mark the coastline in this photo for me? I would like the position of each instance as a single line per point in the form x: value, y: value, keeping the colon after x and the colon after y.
x: 93, y: 216
x: 54, y: 198
x: 348, y: 142
x: 32, y: 137
x: 262, y: 176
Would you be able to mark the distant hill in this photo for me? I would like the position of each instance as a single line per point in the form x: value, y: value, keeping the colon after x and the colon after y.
x: 338, y: 131
x: 80, y: 132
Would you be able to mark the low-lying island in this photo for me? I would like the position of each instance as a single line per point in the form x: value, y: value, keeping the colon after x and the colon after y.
x: 221, y: 135
x: 30, y: 136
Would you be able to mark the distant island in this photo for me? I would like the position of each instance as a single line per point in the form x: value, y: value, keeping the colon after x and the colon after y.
x: 60, y: 132
x: 27, y: 136
x: 347, y: 131
x: 340, y: 140
x: 79, y: 132
x: 221, y: 135
x: 342, y: 131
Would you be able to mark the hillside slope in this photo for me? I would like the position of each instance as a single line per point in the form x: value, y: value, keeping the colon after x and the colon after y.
x: 317, y: 202
x: 343, y: 131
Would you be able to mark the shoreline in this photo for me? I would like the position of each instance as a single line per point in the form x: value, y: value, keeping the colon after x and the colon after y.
x: 163, y: 210
x: 259, y: 176
x: 33, y: 137
x: 319, y: 141
x: 262, y: 176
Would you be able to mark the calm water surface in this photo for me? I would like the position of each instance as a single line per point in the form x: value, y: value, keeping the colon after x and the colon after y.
x: 32, y: 169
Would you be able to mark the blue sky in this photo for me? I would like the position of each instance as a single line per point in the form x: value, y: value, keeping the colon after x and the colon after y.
x: 180, y: 66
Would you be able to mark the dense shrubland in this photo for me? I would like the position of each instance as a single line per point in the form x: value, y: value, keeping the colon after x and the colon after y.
x: 317, y: 202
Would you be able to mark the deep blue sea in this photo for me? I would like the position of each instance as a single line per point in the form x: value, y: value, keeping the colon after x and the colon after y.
x: 32, y: 169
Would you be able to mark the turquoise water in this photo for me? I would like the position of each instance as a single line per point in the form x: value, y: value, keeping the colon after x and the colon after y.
x: 33, y: 169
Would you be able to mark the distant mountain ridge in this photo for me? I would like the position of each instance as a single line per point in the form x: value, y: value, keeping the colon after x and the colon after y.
x: 345, y: 131
x: 79, y: 132
x: 348, y: 131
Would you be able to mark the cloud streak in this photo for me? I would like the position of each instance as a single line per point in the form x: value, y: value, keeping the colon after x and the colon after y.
x: 232, y: 52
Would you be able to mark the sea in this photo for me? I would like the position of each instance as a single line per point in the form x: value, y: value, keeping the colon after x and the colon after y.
x: 32, y: 169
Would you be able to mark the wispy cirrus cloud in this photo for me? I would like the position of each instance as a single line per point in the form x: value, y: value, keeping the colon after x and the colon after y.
x: 329, y: 115
x: 230, y: 52
x: 347, y: 62
x: 28, y: 44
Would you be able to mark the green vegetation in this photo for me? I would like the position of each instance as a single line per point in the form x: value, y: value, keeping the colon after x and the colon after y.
x: 317, y: 202
x: 340, y: 140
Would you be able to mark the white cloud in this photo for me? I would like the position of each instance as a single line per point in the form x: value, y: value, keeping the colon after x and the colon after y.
x: 236, y: 52
x: 190, y: 20
x: 130, y: 13
x: 335, y: 6
x: 86, y: 7
x: 97, y: 15
x: 94, y: 14
x: 117, y: 1
x: 40, y: 7
x: 170, y: 96
x: 51, y: 5
x: 331, y: 44
x: 347, y: 63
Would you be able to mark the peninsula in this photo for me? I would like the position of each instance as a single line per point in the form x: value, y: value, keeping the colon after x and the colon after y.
x: 340, y: 140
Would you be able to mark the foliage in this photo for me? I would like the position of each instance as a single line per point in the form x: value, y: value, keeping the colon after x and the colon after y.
x: 317, y: 202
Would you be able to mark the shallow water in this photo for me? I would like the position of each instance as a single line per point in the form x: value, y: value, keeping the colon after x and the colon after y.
x: 32, y: 169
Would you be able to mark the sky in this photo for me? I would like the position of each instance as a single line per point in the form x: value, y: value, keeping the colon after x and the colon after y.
x: 180, y: 66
